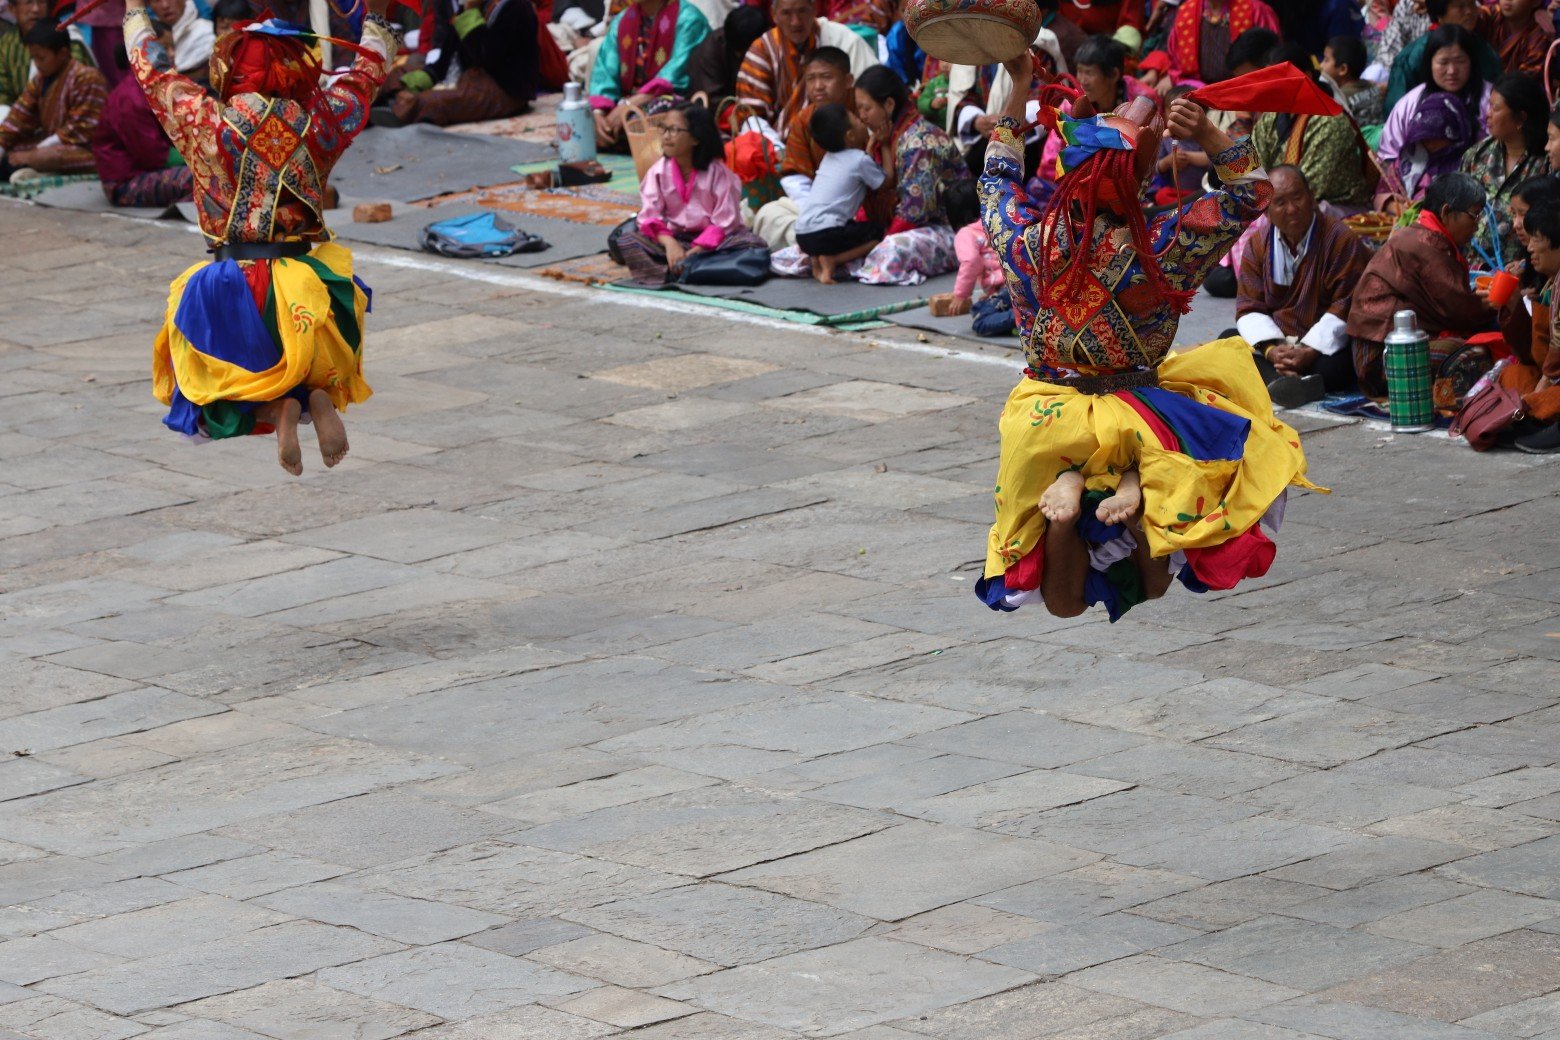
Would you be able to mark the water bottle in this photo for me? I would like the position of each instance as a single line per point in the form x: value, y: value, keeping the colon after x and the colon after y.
x: 576, y: 126
x: 1410, y: 400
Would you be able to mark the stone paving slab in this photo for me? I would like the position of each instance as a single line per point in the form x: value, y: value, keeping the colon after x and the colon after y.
x: 625, y: 682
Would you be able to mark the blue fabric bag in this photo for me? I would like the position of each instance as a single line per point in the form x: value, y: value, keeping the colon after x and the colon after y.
x: 479, y: 235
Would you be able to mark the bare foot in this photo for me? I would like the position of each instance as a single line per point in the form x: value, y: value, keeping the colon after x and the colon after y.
x: 826, y: 268
x: 1121, y: 506
x: 817, y: 268
x: 287, y: 451
x: 1063, y: 499
x: 328, y: 427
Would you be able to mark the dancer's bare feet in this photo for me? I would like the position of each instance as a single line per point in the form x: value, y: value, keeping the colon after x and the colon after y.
x: 1062, y: 500
x: 287, y: 451
x: 825, y: 272
x: 1123, y: 505
x: 328, y: 427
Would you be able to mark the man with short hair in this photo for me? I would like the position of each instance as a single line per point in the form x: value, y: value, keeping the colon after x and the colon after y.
x: 826, y: 80
x: 1294, y: 289
x: 50, y: 128
x: 15, y: 61
x: 771, y: 76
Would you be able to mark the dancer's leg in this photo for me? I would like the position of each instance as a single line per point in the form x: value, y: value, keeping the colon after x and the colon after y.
x: 283, y: 414
x: 1066, y: 567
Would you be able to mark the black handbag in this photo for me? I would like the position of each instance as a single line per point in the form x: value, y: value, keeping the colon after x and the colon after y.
x: 727, y: 267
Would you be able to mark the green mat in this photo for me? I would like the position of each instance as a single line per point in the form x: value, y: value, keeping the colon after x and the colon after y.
x: 624, y: 177
x: 855, y: 321
x: 31, y: 188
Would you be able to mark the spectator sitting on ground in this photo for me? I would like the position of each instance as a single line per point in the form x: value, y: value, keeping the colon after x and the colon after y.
x: 690, y: 202
x: 712, y: 71
x: 193, y: 36
x: 1512, y: 153
x: 497, y: 45
x: 827, y: 230
x: 1203, y: 31
x: 771, y: 76
x: 1326, y: 148
x: 1295, y: 286
x: 1421, y: 268
x: 644, y: 56
x: 15, y: 60
x: 135, y: 159
x: 50, y: 128
x: 1408, y: 71
x: 826, y: 80
x: 1536, y: 376
x: 1513, y: 29
x: 1343, y: 60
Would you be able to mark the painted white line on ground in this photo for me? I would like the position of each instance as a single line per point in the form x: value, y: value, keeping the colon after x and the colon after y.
x: 514, y: 280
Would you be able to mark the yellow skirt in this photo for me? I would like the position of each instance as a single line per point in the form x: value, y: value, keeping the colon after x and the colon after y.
x: 217, y: 346
x: 1212, y: 458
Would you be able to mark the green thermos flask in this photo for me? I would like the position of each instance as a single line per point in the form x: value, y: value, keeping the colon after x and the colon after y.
x: 1410, y: 400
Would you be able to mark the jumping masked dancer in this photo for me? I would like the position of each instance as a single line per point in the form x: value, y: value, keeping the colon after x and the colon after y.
x: 1125, y: 464
x: 269, y: 329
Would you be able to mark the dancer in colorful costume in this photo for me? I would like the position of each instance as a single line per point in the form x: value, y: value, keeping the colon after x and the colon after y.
x: 270, y: 329
x: 1123, y: 463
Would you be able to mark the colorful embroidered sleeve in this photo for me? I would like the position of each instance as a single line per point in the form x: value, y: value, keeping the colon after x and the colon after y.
x: 186, y: 112
x: 1194, y: 238
x: 1010, y: 215
x: 25, y: 117
x: 341, y: 110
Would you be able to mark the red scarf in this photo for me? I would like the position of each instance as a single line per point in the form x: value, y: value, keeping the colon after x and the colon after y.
x: 1188, y: 32
x: 641, y: 54
x: 1430, y: 222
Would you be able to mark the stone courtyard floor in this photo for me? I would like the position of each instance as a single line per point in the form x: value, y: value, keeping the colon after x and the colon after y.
x: 627, y: 681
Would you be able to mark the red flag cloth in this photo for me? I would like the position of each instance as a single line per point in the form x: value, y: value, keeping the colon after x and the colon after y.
x: 1278, y: 88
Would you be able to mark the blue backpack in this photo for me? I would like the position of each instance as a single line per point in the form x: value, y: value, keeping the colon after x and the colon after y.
x: 479, y: 235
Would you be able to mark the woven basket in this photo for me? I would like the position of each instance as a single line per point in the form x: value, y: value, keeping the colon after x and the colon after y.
x: 973, y: 32
x: 644, y: 137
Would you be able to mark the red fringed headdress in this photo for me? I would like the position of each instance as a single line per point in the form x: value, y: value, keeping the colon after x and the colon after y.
x: 1108, y: 160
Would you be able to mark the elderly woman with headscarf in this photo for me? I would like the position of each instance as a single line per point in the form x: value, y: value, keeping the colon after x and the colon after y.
x: 271, y: 328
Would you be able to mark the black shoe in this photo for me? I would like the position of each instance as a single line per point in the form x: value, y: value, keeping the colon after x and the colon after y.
x: 1295, y: 391
x: 1544, y: 442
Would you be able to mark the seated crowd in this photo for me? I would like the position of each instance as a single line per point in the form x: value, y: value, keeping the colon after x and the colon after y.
x: 1438, y: 174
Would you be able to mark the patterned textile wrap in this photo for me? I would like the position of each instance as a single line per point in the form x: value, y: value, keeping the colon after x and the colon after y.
x: 1214, y: 462
x: 220, y: 352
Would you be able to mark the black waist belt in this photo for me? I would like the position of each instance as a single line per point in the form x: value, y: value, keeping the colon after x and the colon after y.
x: 261, y: 250
x: 1109, y: 384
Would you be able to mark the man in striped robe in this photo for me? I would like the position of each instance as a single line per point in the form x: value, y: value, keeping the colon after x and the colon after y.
x: 771, y: 76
